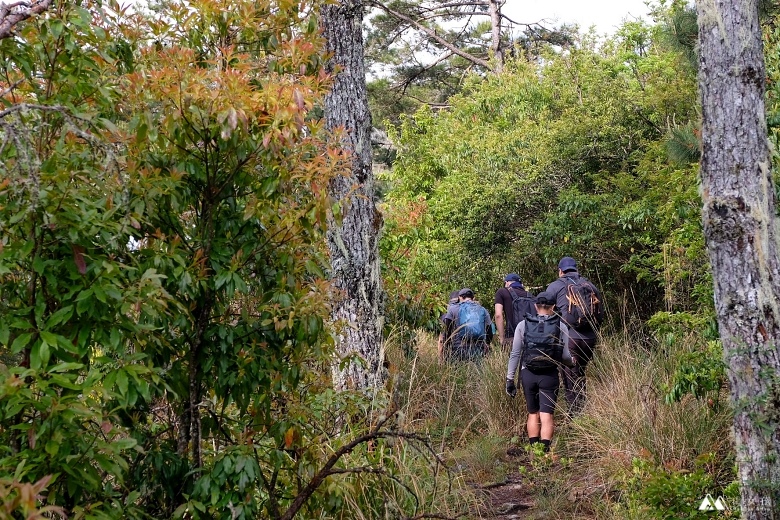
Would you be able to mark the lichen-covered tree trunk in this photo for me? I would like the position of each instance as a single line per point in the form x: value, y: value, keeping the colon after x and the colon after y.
x: 741, y: 231
x: 495, y: 34
x: 353, y: 241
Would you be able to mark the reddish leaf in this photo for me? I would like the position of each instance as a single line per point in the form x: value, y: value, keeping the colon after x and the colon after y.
x: 78, y: 258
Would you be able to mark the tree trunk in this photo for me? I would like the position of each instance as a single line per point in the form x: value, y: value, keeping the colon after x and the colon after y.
x: 353, y: 242
x: 495, y: 32
x: 741, y: 231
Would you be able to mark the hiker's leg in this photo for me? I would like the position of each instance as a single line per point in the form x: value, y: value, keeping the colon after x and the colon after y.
x: 574, y: 377
x: 548, y: 426
x: 568, y: 375
x: 531, y: 391
x: 548, y: 397
x: 534, y: 425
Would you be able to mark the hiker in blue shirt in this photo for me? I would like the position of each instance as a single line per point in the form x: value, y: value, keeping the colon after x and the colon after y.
x: 539, y: 348
x: 468, y: 329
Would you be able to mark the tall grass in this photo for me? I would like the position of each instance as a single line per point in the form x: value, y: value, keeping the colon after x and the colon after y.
x: 455, y: 402
x: 471, y: 422
x: 626, y: 419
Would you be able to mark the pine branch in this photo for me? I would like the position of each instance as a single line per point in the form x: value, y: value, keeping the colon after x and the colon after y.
x: 433, y: 35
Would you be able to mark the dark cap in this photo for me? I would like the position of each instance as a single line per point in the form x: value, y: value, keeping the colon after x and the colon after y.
x: 545, y: 298
x: 466, y: 293
x: 512, y: 277
x: 567, y: 263
x: 454, y: 297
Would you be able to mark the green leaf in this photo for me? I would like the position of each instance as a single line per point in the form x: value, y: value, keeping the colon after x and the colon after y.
x: 61, y: 316
x: 66, y: 367
x: 126, y: 443
x: 49, y: 338
x: 21, y: 342
x: 5, y: 333
x: 121, y: 382
x: 39, y: 355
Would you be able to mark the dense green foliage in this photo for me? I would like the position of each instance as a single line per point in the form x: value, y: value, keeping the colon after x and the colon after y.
x: 163, y: 200
x: 566, y: 156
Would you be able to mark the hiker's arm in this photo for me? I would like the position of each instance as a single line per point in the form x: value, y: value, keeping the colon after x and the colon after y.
x: 500, y: 321
x: 517, y: 351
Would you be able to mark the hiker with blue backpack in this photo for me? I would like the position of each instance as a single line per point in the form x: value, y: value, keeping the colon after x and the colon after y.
x: 539, y: 349
x: 512, y: 303
x: 580, y: 305
x: 468, y: 329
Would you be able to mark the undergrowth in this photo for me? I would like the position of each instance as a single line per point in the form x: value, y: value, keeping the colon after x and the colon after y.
x: 632, y: 454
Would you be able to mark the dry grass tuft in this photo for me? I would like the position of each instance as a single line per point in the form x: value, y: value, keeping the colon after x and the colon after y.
x: 626, y: 418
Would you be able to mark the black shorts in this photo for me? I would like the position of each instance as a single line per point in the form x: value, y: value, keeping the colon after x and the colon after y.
x: 540, y: 389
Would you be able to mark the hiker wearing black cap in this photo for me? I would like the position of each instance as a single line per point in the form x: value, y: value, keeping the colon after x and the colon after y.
x: 580, y: 305
x: 539, y: 348
x: 468, y: 329
x: 512, y: 303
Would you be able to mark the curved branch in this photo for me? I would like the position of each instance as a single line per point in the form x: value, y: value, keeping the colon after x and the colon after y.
x: 9, y: 19
x: 432, y: 34
x: 328, y: 469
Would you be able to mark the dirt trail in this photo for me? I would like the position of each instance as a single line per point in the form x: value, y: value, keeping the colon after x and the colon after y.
x: 511, y: 499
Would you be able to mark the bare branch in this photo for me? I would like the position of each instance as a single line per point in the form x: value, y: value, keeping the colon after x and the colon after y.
x: 408, y: 81
x: 433, y: 35
x: 11, y: 88
x: 527, y: 25
x: 376, y: 433
x: 23, y: 107
x: 455, y: 4
x: 9, y: 19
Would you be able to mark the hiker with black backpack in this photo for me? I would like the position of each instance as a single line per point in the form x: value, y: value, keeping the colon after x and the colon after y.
x: 468, y: 329
x: 512, y: 303
x: 581, y: 306
x: 539, y: 348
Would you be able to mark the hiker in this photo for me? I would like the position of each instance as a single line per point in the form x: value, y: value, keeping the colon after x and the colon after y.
x: 468, y: 329
x: 512, y: 303
x: 580, y: 305
x: 443, y: 343
x: 539, y: 348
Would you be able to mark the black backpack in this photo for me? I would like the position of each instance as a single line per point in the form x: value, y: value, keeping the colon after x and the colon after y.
x: 521, y: 305
x: 584, y: 308
x: 543, y: 346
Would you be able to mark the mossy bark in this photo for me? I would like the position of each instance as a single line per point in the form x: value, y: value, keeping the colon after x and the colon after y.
x: 353, y: 240
x: 741, y: 231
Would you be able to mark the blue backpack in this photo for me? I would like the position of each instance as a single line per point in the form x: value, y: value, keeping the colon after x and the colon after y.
x: 471, y: 321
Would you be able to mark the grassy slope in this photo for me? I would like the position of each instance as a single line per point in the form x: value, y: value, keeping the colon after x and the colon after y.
x: 629, y: 455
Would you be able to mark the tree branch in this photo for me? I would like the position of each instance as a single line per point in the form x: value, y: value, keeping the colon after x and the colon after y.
x: 328, y: 469
x: 8, y: 19
x: 433, y: 35
x: 11, y: 88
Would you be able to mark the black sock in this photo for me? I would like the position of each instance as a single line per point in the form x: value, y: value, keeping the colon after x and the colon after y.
x: 533, y: 440
x: 546, y: 443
